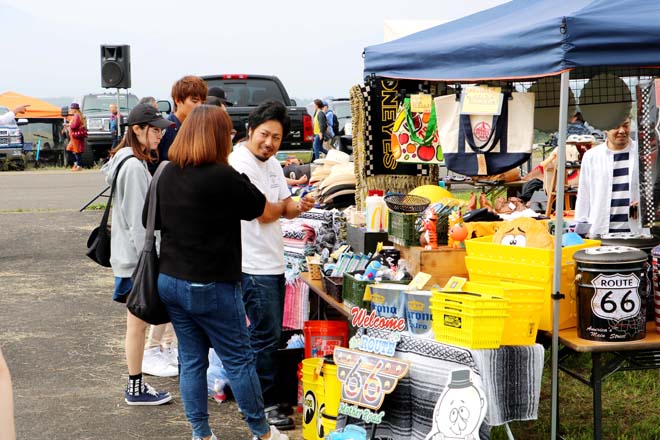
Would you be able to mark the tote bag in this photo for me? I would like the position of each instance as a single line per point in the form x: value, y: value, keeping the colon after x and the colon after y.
x: 482, y: 145
x: 143, y: 300
x: 415, y: 136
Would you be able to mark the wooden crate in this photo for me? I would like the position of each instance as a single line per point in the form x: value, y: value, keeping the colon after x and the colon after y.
x: 442, y: 263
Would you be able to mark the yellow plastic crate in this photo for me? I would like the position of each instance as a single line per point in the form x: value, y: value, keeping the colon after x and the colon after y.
x: 487, y: 271
x: 458, y: 326
x: 525, y: 307
x: 484, y: 247
x: 474, y: 301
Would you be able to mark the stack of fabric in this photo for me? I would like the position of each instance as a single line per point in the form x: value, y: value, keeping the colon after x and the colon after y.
x: 308, y: 234
x: 335, y: 180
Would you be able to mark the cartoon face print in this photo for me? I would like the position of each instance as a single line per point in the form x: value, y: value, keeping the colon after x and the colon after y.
x: 515, y: 237
x: 460, y: 412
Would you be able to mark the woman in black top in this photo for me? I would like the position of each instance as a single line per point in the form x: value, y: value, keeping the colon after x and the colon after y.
x: 201, y: 201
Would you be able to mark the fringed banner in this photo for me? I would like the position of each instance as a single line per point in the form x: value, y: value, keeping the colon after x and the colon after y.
x: 373, y: 109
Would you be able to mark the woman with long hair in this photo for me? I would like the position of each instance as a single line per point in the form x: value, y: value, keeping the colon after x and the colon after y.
x: 202, y: 201
x: 77, y: 131
x: 128, y: 165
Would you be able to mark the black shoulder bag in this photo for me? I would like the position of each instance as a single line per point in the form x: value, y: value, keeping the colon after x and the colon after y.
x: 143, y: 300
x: 98, y: 243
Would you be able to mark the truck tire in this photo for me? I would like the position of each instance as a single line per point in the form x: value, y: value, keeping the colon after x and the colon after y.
x: 88, y: 157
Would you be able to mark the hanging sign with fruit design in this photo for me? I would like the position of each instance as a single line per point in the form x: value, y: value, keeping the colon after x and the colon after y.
x: 415, y: 134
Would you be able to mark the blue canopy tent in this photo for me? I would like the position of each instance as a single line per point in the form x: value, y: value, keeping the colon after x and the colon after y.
x: 525, y: 40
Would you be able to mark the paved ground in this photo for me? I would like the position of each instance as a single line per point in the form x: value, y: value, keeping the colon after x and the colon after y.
x: 60, y: 332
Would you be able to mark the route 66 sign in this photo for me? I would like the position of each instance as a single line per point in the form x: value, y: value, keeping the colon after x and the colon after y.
x: 616, y: 297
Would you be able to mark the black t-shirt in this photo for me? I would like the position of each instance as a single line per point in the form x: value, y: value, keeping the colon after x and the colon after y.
x: 199, y: 213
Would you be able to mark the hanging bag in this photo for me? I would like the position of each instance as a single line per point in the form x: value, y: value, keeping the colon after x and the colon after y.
x: 415, y: 137
x: 98, y: 242
x: 143, y: 300
x: 482, y: 145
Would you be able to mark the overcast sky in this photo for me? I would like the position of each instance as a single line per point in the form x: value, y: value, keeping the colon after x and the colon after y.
x: 51, y: 48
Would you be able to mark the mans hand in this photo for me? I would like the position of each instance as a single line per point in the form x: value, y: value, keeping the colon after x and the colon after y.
x: 306, y: 203
x: 21, y: 109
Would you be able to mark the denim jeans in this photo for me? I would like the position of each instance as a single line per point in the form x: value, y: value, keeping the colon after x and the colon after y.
x: 317, y: 146
x: 205, y: 316
x: 264, y: 302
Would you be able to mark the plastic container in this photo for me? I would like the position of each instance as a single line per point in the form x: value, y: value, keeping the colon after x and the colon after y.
x: 401, y: 228
x: 491, y: 262
x: 313, y: 396
x: 329, y: 409
x: 525, y: 307
x: 374, y: 213
x: 332, y: 286
x: 470, y: 320
x: 321, y: 337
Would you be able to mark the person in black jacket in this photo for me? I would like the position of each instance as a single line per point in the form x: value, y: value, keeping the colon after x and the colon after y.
x: 201, y: 202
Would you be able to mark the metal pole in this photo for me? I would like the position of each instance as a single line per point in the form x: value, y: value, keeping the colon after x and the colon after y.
x: 559, y: 221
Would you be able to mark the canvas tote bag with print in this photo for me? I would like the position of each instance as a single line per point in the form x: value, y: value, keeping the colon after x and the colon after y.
x: 482, y: 145
x: 415, y: 136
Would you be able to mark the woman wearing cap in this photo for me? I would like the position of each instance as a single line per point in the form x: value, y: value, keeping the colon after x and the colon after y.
x: 128, y: 164
x: 202, y: 201
x: 77, y: 134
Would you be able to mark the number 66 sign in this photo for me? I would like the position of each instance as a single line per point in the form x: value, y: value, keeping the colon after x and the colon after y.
x: 366, y: 378
x: 616, y: 297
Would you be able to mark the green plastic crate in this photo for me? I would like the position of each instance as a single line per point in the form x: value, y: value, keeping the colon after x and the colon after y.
x: 401, y: 228
x: 353, y: 290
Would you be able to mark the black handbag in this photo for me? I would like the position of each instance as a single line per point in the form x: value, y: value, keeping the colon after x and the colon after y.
x: 98, y: 243
x: 143, y: 300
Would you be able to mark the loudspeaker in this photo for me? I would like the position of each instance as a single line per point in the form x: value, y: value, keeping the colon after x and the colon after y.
x: 116, y: 66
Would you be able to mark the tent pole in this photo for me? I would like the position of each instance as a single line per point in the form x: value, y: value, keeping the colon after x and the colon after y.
x: 559, y: 221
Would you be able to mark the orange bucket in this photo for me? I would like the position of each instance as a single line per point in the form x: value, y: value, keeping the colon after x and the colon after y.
x: 321, y: 337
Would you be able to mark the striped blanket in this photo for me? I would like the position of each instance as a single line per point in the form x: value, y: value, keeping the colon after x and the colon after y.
x: 510, y: 378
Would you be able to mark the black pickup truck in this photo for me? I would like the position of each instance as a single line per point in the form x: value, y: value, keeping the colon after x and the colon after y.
x: 248, y: 91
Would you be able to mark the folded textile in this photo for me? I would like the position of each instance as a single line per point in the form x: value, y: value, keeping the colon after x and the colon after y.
x: 509, y: 376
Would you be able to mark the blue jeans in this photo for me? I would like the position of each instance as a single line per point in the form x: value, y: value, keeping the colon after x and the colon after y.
x: 317, y: 146
x: 264, y: 302
x: 205, y: 316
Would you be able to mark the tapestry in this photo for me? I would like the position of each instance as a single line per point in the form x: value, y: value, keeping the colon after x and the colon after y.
x: 382, y: 99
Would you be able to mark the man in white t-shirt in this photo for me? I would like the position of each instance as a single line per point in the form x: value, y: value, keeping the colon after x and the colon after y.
x: 263, y: 246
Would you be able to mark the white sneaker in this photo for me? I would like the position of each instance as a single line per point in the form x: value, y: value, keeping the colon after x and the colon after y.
x: 155, y: 363
x: 275, y: 434
x: 172, y: 355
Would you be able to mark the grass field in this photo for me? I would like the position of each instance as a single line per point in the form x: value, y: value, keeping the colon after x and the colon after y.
x: 630, y: 406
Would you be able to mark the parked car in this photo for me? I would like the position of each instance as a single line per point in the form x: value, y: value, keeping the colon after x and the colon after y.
x: 245, y: 92
x: 341, y: 107
x: 96, y: 109
x: 11, y: 145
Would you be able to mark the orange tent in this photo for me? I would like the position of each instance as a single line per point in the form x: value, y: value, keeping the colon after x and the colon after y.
x: 37, y: 108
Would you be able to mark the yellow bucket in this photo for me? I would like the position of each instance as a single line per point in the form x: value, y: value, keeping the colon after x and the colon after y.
x: 328, y: 423
x: 332, y: 388
x: 313, y: 396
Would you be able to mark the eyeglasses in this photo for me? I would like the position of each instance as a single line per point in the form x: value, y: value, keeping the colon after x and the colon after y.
x: 156, y: 130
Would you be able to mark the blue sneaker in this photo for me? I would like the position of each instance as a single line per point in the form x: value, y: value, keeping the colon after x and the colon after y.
x: 148, y: 397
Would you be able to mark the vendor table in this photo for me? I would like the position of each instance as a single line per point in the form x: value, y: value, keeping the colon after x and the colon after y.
x: 642, y: 354
x: 510, y: 378
x: 322, y: 299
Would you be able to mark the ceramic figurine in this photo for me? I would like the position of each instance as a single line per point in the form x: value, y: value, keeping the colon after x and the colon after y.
x: 430, y: 235
x: 458, y: 232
